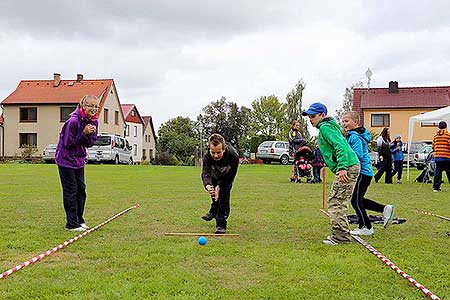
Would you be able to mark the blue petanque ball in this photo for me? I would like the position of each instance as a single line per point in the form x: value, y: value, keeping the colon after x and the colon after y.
x: 202, y: 240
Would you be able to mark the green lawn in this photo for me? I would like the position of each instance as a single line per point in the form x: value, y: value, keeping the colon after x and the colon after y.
x: 278, y: 255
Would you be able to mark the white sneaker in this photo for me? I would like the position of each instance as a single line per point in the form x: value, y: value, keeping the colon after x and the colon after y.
x: 362, y: 231
x: 388, y: 213
x: 329, y: 241
x: 84, y: 226
x: 77, y: 229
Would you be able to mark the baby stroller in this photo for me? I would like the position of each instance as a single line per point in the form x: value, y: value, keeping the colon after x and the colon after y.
x: 428, y: 171
x: 302, y: 164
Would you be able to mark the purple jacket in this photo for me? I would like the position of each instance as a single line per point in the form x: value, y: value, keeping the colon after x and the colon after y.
x: 71, y: 149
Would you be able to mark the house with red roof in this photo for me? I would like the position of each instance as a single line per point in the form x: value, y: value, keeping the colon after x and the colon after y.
x: 35, y: 111
x: 134, y: 128
x: 393, y: 106
x: 149, y: 145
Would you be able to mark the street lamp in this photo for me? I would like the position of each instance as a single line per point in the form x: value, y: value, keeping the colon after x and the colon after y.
x: 368, y: 75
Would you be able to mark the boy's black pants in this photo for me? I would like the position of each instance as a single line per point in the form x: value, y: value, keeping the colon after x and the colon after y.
x: 361, y: 204
x: 221, y: 208
x: 74, y: 195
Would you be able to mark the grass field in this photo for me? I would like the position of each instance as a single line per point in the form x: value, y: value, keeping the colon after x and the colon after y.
x: 278, y: 255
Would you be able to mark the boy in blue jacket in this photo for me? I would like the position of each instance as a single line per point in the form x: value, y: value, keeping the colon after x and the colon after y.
x: 358, y: 138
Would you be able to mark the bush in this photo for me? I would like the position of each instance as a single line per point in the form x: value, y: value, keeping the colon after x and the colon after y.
x: 28, y: 151
x: 167, y: 159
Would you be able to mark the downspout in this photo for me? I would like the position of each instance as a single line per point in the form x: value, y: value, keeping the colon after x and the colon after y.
x: 2, y: 156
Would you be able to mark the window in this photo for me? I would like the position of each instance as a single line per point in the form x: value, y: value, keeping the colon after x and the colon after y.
x: 135, y: 149
x: 105, y: 115
x: 135, y: 131
x: 146, y: 138
x: 133, y: 113
x: 28, y: 114
x: 144, y: 157
x: 27, y: 139
x: 380, y: 120
x: 150, y: 153
x: 116, y: 117
x: 428, y: 123
x: 64, y: 112
x: 127, y: 130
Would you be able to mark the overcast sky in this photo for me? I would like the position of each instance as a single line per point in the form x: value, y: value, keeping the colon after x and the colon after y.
x: 173, y: 57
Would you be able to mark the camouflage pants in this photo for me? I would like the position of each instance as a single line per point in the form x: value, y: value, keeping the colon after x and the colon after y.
x: 338, y: 201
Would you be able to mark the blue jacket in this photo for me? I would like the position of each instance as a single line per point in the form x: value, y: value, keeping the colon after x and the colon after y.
x: 71, y: 149
x: 358, y: 139
x: 397, y: 154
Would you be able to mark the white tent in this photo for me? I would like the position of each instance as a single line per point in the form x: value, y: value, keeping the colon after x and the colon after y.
x: 442, y: 114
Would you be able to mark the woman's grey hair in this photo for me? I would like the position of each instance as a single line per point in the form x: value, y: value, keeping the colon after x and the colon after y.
x: 88, y: 97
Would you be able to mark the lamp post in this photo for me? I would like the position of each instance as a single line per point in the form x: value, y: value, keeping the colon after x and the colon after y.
x: 368, y: 75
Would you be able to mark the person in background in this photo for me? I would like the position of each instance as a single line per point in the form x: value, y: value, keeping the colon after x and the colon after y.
x: 385, y: 155
x: 78, y: 133
x: 441, y: 148
x: 317, y: 163
x: 397, y: 157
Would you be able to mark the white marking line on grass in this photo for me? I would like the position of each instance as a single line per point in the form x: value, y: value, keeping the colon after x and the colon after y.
x: 390, y: 264
x: 64, y: 244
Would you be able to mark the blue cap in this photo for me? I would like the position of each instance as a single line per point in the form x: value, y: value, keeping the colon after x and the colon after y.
x: 315, y: 108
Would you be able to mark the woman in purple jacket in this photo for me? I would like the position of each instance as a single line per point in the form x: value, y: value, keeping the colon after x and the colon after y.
x: 78, y: 133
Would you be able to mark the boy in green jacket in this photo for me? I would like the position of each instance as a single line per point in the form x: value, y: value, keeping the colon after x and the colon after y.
x: 343, y: 162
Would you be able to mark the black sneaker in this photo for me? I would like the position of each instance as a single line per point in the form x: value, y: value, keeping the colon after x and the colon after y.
x: 220, y: 230
x: 208, y: 217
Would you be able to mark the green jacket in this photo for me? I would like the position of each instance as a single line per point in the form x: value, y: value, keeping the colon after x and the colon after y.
x: 335, y: 150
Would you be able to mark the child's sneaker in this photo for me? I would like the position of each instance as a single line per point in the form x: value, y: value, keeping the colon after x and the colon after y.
x: 362, y: 231
x: 388, y: 213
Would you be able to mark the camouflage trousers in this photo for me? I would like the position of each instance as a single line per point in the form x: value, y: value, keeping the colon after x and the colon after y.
x: 338, y: 201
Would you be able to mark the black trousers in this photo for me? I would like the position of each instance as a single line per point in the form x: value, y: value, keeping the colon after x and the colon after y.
x: 440, y: 167
x: 398, y: 169
x: 361, y: 204
x: 221, y: 208
x: 386, y: 167
x: 74, y: 195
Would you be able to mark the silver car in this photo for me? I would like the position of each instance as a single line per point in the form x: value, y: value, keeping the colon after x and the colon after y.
x: 49, y: 153
x: 110, y: 148
x: 269, y: 151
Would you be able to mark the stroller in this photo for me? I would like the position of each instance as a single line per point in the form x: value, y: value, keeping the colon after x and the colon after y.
x: 428, y: 171
x: 302, y: 165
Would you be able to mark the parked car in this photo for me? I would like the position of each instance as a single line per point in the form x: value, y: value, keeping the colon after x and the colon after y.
x: 110, y: 148
x: 270, y: 151
x: 414, y: 148
x: 421, y: 155
x: 48, y: 155
x: 373, y: 157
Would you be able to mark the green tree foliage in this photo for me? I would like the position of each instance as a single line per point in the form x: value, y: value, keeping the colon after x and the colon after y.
x: 347, y: 102
x: 227, y: 119
x: 178, y: 137
x: 268, y: 117
x: 294, y: 109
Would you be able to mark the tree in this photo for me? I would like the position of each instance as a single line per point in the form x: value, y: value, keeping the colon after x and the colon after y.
x: 268, y: 116
x: 347, y: 102
x: 227, y: 119
x: 178, y: 137
x: 294, y: 109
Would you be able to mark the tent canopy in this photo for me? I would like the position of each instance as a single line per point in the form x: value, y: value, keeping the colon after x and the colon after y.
x: 442, y: 114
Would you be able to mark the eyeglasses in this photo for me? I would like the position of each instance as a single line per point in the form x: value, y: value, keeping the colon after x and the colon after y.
x: 91, y: 106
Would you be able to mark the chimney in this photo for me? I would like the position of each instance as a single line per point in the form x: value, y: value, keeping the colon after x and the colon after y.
x: 393, y: 87
x: 79, y: 77
x: 56, y: 79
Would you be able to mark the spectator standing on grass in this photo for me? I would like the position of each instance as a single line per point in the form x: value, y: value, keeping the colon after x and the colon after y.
x: 385, y: 156
x: 220, y: 166
x: 359, y: 138
x: 397, y: 157
x: 441, y: 149
x: 343, y: 162
x: 78, y: 133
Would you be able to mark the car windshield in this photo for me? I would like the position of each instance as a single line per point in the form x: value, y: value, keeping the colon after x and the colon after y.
x: 103, y: 141
x: 266, y: 144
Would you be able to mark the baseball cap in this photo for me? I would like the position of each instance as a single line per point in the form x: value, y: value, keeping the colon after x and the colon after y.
x: 315, y: 108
